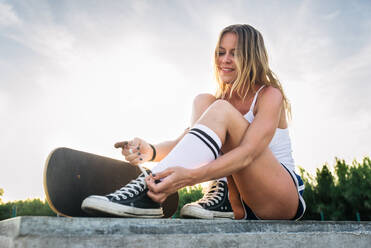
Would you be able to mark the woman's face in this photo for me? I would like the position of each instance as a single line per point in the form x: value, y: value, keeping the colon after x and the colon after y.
x: 225, y: 60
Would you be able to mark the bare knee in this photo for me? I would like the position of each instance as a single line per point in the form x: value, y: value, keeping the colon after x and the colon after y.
x: 220, y: 103
x: 203, y: 101
x: 218, y: 109
x: 232, y: 122
x: 200, y: 104
x: 222, y: 106
x: 221, y: 111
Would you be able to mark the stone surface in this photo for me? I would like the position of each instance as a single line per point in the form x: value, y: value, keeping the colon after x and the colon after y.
x: 31, y: 231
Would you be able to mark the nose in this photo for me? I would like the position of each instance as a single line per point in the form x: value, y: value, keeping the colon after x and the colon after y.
x: 227, y: 58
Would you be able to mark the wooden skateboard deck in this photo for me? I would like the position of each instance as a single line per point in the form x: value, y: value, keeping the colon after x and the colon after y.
x: 70, y: 176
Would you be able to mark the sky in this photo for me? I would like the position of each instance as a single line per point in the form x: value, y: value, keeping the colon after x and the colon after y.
x: 86, y: 74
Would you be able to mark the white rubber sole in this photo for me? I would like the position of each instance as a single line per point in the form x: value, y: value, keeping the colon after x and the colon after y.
x: 200, y: 213
x: 94, y: 204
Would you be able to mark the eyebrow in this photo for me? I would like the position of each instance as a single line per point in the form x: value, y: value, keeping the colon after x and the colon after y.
x: 220, y: 47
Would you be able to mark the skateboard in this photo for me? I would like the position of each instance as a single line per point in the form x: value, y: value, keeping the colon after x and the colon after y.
x: 70, y: 176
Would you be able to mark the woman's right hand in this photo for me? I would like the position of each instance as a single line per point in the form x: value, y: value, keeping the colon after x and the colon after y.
x: 136, y: 151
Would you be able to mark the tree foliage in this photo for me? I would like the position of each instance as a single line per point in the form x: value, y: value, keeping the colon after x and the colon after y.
x: 341, y: 195
x: 34, y: 207
x: 1, y: 194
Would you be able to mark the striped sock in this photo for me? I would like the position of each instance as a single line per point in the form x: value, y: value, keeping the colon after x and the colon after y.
x: 198, y: 147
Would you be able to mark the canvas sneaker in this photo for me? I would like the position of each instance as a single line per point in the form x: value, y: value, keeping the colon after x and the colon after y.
x: 213, y: 205
x: 129, y: 201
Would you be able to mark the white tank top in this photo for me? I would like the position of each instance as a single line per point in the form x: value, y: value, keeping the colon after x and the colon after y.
x: 280, y: 144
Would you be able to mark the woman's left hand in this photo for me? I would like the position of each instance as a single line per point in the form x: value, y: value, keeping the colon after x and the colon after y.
x: 173, y: 179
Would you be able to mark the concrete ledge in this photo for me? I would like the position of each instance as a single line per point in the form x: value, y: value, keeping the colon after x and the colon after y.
x: 29, y: 231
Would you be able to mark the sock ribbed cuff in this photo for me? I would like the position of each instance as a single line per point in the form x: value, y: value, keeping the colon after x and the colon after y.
x: 208, y: 136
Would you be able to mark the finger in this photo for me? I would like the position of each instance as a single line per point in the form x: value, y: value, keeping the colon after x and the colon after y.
x: 164, y: 198
x: 150, y: 182
x: 162, y: 186
x: 137, y: 160
x: 126, y: 152
x: 131, y: 149
x: 153, y: 196
x: 131, y: 152
x: 124, y: 145
x: 135, y: 144
x: 152, y: 185
x: 133, y: 158
x: 157, y: 197
x: 128, y: 149
x: 121, y: 144
x: 163, y: 174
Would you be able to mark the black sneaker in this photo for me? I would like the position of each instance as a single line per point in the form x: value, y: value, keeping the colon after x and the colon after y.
x: 129, y: 201
x: 215, y: 204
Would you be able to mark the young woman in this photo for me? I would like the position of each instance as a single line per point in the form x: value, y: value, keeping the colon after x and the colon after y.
x: 240, y: 133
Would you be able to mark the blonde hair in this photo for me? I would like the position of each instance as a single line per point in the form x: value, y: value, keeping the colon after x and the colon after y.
x: 251, y: 61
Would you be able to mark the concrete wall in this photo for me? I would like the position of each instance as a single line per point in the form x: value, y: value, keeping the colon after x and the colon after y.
x: 115, y: 232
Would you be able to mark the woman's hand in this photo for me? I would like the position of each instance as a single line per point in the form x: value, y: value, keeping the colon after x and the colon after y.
x: 173, y: 179
x: 136, y: 151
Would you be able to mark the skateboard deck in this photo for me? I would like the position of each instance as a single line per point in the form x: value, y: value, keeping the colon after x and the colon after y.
x: 70, y: 176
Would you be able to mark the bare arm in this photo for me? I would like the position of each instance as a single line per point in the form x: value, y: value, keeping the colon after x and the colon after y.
x: 137, y: 151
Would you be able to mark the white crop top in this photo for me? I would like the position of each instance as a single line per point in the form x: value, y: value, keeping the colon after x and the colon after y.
x: 280, y: 144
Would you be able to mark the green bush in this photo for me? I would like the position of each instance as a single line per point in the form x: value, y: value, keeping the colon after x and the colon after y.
x: 5, y: 211
x: 34, y: 207
x: 339, y: 196
x: 188, y: 195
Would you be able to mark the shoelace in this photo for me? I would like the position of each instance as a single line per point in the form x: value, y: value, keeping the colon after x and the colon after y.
x: 214, y: 193
x: 134, y: 187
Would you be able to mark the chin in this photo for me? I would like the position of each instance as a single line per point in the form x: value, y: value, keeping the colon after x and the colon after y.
x: 227, y: 81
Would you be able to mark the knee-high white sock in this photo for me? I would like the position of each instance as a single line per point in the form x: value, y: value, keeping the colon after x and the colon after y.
x: 198, y: 147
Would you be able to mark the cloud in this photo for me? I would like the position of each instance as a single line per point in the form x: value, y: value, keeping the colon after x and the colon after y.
x: 8, y: 16
x: 46, y: 39
x: 331, y: 16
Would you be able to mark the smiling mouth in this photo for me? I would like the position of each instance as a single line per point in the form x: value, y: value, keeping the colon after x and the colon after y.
x: 226, y: 70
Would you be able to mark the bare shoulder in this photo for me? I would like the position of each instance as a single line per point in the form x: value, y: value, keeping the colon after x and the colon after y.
x: 271, y: 95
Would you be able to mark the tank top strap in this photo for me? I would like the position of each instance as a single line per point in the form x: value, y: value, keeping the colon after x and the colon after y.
x: 255, y: 97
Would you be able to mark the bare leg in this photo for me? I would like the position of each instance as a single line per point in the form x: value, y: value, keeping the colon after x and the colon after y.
x: 200, y: 104
x: 264, y: 185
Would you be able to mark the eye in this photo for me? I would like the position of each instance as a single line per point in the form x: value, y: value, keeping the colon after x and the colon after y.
x: 220, y: 53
